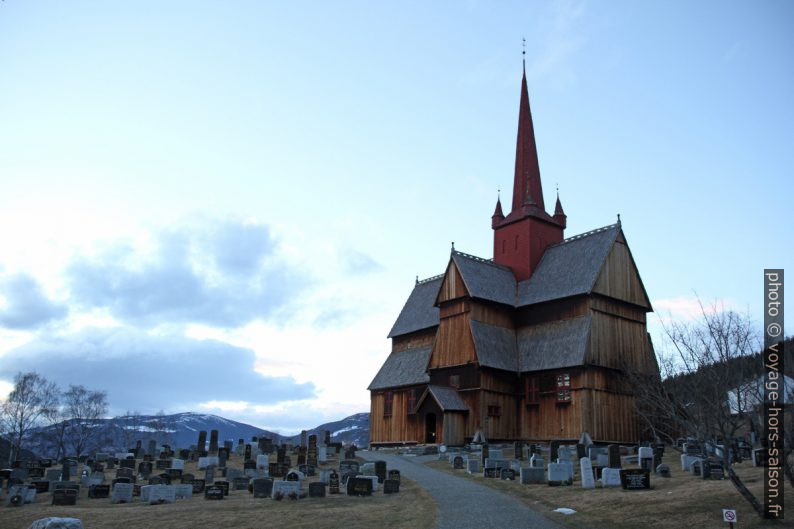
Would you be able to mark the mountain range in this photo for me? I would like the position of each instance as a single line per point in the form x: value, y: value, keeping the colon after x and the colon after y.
x: 181, y: 430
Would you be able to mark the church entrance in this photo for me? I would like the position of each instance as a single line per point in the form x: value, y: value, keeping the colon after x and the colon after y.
x: 430, y: 428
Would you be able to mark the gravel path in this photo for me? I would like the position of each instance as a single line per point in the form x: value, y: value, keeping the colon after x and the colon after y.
x: 463, y: 504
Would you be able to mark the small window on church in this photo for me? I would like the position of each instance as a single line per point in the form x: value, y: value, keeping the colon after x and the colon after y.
x: 411, y: 402
x: 532, y: 390
x: 564, y: 387
x: 454, y: 381
x: 387, y: 403
x: 494, y: 411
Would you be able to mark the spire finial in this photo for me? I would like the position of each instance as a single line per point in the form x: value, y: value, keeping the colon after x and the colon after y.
x: 618, y: 219
x: 524, y: 52
x: 417, y: 279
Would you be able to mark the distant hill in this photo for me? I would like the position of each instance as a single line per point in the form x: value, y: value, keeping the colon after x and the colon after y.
x: 181, y: 431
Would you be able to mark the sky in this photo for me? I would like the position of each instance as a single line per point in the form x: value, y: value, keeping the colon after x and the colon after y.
x: 222, y: 207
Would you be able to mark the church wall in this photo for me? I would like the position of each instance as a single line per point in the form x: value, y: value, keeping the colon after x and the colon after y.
x: 618, y: 343
x: 619, y: 277
x: 492, y: 314
x: 454, y: 344
x: 498, y: 412
x: 545, y: 418
x: 552, y: 311
x: 521, y: 244
x: 414, y: 340
x: 399, y: 426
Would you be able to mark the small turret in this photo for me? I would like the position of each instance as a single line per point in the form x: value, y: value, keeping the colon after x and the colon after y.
x: 497, y: 216
x: 559, y: 214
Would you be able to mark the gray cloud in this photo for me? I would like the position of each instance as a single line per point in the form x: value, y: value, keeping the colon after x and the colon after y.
x: 358, y: 263
x: 26, y: 306
x: 224, y: 274
x: 148, y: 373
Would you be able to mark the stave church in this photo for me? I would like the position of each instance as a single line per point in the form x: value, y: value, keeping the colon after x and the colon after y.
x: 532, y: 344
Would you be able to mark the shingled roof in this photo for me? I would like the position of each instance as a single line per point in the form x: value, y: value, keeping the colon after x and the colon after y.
x: 419, y: 311
x: 568, y: 268
x: 486, y: 280
x: 447, y: 398
x: 554, y: 345
x: 495, y: 346
x: 404, y: 368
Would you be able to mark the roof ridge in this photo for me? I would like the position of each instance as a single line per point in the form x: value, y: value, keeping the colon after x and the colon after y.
x: 480, y: 259
x: 586, y: 234
x: 429, y: 279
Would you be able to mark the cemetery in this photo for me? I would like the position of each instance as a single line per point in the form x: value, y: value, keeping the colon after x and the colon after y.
x: 610, y: 486
x: 161, y: 486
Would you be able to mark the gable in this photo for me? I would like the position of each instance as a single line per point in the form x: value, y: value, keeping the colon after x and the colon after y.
x: 452, y: 286
x: 485, y: 280
x: 619, y: 277
x: 405, y: 368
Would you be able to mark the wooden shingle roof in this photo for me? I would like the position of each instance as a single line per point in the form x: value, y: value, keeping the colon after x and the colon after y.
x: 447, y: 398
x: 554, y: 345
x: 495, y: 346
x: 403, y: 368
x: 419, y: 312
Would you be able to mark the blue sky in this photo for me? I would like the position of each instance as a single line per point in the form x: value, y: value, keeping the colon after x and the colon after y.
x: 259, y: 183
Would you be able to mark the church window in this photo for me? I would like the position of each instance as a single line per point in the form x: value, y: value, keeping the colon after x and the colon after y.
x: 531, y: 390
x: 411, y: 402
x: 494, y: 411
x: 387, y: 403
x: 564, y: 387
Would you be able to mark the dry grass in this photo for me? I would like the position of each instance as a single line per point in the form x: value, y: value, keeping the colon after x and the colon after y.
x: 679, y: 502
x: 411, y: 508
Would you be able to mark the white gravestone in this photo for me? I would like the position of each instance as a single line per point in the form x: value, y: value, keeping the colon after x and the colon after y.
x: 610, y: 477
x: 178, y: 464
x: 285, y: 488
x: 205, y: 462
x: 262, y: 462
x: 122, y: 493
x: 586, y: 467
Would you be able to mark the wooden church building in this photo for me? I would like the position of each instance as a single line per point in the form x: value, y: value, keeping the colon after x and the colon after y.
x: 533, y: 344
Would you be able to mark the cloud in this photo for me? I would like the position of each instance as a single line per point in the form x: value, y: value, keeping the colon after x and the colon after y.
x: 148, y: 373
x: 23, y: 305
x: 224, y: 274
x: 355, y: 262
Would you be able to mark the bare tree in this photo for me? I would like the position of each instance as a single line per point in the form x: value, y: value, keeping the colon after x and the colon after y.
x: 29, y: 403
x: 85, y: 409
x: 712, y: 358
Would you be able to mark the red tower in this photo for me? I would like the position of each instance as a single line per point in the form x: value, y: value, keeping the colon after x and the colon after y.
x: 522, y: 236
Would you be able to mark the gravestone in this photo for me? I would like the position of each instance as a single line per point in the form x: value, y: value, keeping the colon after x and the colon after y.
x: 391, y: 486
x: 333, y: 483
x: 122, y: 493
x: 457, y: 462
x: 536, y: 461
x: 359, y: 486
x: 262, y: 487
x: 202, y: 443
x: 317, y: 490
x: 580, y: 451
x: 586, y: 469
x: 41, y: 486
x: 64, y: 497
x: 98, y: 491
x: 284, y: 489
x: 223, y: 456
x: 610, y: 477
x: 224, y: 485
x: 262, y: 462
x: 151, y: 448
x: 473, y: 466
x: 760, y: 458
x: 613, y: 457
x: 532, y: 476
x: 490, y: 472
x: 349, y: 465
x: 232, y: 473
x: 394, y: 474
x: 554, y: 448
x: 213, y: 493
x: 380, y: 470
x: 240, y: 483
x: 484, y: 454
x: 635, y: 478
x: 518, y: 450
x: 198, y: 486
x: 311, y: 454
x: 713, y: 469
x: 178, y: 464
x: 247, y: 455
x: 646, y: 457
x: 507, y: 474
x: 183, y: 491
x: 145, y: 469
x: 153, y: 480
x: 559, y: 474
x: 187, y: 478
x: 303, y: 438
x: 160, y: 464
x: 213, y: 442
x: 663, y: 470
x: 53, y: 474
x: 65, y: 471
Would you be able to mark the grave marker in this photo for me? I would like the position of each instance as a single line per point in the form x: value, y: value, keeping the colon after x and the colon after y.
x: 635, y: 478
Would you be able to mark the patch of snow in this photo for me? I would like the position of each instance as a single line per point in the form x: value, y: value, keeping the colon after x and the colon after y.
x: 349, y: 428
x: 564, y: 510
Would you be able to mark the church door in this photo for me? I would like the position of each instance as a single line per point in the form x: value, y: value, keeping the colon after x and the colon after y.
x: 430, y: 428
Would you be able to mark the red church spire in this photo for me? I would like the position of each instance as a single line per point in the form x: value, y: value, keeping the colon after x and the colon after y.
x: 526, y: 182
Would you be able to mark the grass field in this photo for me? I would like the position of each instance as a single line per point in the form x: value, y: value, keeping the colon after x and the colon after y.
x: 679, y: 502
x: 411, y: 508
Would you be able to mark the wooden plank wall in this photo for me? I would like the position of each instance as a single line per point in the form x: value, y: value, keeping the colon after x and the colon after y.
x: 399, y: 426
x: 452, y: 287
x: 453, y: 428
x: 454, y: 344
x: 618, y: 343
x: 620, y: 279
x: 414, y: 340
x: 552, y: 311
x: 547, y: 419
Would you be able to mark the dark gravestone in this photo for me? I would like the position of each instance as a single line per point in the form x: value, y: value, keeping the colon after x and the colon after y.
x: 155, y: 480
x: 518, y: 450
x: 394, y: 475
x: 359, y: 486
x: 213, y: 442
x: 213, y: 493
x: 713, y: 470
x: 165, y: 477
x: 317, y: 489
x: 65, y: 472
x: 663, y: 470
x: 224, y: 485
x: 333, y: 483
x: 229, y: 446
x: 635, y: 478
x: 483, y: 455
x: 125, y: 473
x: 613, y: 456
x: 457, y: 462
x: 223, y: 456
x: 64, y: 497
x: 162, y: 464
x: 247, y: 453
x: 198, y: 486
x: 262, y: 487
x: 490, y: 473
x: 240, y: 483
x: 201, y: 447
x: 151, y: 448
x: 581, y: 451
x: 41, y: 486
x: 187, y: 478
x: 380, y: 470
x: 327, y: 437
x: 349, y: 465
x: 38, y: 472
x: 128, y: 463
x: 120, y: 480
x: 508, y: 474
x: 174, y: 473
x: 184, y: 454
x: 249, y: 464
x: 99, y: 491
x: 308, y: 470
x: 554, y: 450
x: 391, y: 486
